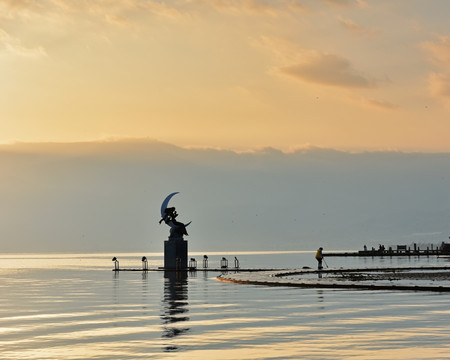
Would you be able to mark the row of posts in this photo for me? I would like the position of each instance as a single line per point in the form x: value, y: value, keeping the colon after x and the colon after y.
x: 223, y: 263
x: 144, y: 263
x: 192, y: 263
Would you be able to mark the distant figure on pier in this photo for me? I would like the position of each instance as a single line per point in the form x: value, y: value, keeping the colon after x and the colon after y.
x: 319, y: 258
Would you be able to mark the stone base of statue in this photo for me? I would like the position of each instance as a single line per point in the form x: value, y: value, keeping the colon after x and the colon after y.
x: 175, y: 254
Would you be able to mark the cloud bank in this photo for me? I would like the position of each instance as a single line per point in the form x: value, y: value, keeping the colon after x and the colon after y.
x: 105, y: 196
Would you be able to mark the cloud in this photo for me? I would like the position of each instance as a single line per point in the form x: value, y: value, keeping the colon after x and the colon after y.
x: 362, y: 4
x: 13, y: 45
x: 160, y: 9
x: 112, y: 12
x: 284, y: 50
x: 355, y: 28
x: 120, y: 12
x: 117, y: 20
x: 438, y: 51
x: 11, y: 8
x: 380, y: 104
x: 313, y: 66
x: 439, y: 85
x: 29, y: 10
x: 254, y: 7
x: 328, y: 69
x: 439, y: 55
x: 271, y: 8
x: 343, y: 2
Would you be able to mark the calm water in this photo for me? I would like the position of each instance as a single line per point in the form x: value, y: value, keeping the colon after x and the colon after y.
x: 75, y: 307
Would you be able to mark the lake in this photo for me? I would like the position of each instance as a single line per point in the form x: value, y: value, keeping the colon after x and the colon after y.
x: 72, y: 306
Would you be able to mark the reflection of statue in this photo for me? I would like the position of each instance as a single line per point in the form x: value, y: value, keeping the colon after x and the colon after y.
x: 175, y: 309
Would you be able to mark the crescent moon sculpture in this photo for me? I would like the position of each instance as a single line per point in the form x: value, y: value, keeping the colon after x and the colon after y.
x: 165, y: 203
x: 168, y: 215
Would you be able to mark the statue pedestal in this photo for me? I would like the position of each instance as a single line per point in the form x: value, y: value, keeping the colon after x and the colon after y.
x: 175, y: 254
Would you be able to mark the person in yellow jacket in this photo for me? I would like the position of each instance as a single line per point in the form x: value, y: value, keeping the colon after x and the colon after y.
x: 319, y: 258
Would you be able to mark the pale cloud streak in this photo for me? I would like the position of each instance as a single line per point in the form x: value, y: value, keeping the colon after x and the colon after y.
x: 328, y: 69
x: 439, y: 55
x: 105, y: 10
x: 439, y: 85
x: 13, y: 46
x: 50, y: 20
x: 312, y: 66
x: 117, y: 11
x: 272, y: 8
x: 285, y: 51
x: 439, y: 51
x: 344, y: 2
x: 255, y: 7
x: 355, y: 28
x: 11, y: 8
x: 380, y: 104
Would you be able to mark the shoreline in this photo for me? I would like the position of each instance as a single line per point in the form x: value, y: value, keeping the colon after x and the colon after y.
x: 408, y: 278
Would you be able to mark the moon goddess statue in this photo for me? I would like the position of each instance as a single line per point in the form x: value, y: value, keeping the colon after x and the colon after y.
x: 169, y: 215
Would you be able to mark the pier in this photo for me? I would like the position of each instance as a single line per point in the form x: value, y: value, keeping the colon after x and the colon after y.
x: 400, y: 250
x: 192, y: 267
x: 230, y: 269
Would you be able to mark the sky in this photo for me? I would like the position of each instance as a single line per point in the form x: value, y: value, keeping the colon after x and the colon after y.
x: 283, y: 124
x: 353, y: 75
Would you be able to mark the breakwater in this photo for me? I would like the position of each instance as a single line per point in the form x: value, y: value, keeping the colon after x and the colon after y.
x: 400, y: 250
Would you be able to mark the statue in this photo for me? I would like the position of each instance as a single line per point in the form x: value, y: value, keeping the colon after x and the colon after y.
x: 175, y: 248
x: 177, y: 229
x: 169, y: 216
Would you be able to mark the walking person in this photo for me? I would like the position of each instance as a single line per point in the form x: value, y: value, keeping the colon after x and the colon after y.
x: 319, y: 258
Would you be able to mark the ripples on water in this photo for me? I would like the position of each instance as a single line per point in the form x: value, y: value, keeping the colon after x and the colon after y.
x: 74, y: 307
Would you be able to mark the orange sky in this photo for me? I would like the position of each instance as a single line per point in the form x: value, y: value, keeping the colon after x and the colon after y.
x: 348, y: 74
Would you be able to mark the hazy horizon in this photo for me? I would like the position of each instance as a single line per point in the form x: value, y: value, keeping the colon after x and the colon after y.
x: 105, y: 197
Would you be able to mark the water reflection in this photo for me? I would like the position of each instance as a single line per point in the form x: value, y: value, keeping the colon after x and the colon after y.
x: 175, y: 304
x: 320, y: 301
